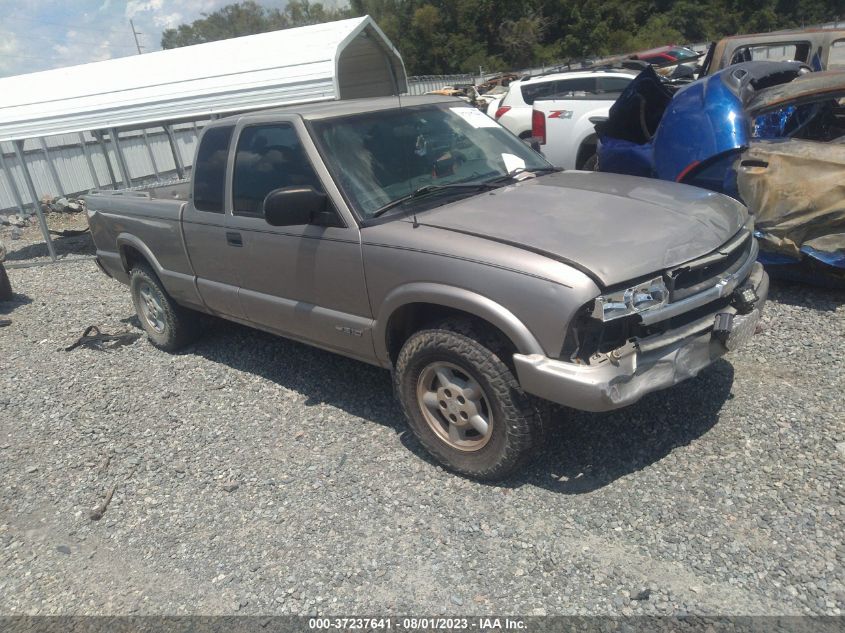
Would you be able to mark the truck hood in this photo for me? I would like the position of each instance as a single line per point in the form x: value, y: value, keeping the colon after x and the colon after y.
x: 613, y: 228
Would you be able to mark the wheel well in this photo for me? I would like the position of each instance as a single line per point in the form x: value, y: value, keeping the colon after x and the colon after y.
x: 131, y: 256
x: 587, y: 149
x: 414, y: 317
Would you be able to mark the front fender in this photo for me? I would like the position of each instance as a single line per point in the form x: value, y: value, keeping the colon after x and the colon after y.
x: 459, y: 299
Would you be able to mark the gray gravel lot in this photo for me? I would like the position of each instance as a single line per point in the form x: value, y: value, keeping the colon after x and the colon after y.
x: 255, y: 475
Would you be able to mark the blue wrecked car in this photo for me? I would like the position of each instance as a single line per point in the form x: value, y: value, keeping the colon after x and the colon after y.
x: 771, y: 134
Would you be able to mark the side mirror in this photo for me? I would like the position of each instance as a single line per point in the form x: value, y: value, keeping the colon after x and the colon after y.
x: 291, y: 206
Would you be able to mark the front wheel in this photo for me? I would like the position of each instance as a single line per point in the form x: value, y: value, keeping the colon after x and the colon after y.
x: 463, y: 402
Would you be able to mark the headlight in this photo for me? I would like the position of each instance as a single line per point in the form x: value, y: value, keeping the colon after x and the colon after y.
x: 645, y: 296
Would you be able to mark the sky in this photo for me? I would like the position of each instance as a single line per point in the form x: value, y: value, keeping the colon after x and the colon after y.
x: 43, y: 34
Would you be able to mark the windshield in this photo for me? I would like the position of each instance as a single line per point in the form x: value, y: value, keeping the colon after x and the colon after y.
x: 383, y: 156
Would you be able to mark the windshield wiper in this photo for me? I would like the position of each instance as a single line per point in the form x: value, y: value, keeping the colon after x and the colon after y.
x: 492, y: 183
x: 429, y: 189
x: 520, y: 170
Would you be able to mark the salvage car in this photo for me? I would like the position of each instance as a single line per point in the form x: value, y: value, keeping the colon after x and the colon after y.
x: 667, y: 56
x: 693, y: 134
x: 792, y: 174
x: 424, y: 238
x: 821, y: 49
x: 729, y: 133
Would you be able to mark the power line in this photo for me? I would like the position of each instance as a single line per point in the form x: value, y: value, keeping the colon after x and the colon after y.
x: 46, y: 38
x: 18, y: 56
x: 70, y: 27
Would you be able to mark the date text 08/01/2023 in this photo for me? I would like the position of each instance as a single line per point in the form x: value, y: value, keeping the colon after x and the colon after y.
x: 418, y: 624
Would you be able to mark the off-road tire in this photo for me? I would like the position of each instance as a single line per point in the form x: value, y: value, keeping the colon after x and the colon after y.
x: 5, y: 285
x: 517, y: 425
x: 181, y: 326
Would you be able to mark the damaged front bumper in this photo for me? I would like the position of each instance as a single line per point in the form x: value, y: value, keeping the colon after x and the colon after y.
x: 647, y: 365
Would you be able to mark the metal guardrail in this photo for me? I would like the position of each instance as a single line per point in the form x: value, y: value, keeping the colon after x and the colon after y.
x: 421, y: 84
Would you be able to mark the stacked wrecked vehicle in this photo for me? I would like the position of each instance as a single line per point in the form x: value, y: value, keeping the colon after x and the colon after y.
x: 767, y: 133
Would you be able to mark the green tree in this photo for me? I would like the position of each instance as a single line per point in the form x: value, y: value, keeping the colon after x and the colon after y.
x: 522, y: 38
x: 445, y: 36
x: 248, y: 18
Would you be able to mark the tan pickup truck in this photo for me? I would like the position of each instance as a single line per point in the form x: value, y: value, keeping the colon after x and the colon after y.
x: 423, y: 237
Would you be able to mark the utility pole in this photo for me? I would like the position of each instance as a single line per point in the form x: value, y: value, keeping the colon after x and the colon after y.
x: 135, y: 34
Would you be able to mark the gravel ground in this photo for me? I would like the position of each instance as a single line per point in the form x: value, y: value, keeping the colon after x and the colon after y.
x: 256, y: 475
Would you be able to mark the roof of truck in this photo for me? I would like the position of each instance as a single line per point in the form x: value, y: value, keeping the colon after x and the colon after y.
x: 330, y: 109
x: 787, y: 34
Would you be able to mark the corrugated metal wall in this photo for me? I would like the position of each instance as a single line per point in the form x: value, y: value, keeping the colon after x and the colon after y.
x: 73, y: 170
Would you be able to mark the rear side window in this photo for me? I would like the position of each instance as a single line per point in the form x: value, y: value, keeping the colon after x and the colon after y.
x: 613, y: 84
x: 786, y: 51
x: 210, y: 171
x: 577, y: 87
x: 268, y: 157
x: 836, y: 58
x: 574, y: 88
x: 539, y: 90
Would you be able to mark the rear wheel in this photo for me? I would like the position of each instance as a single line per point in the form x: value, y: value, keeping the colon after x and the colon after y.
x: 591, y: 164
x: 169, y: 326
x: 463, y: 402
x: 5, y: 285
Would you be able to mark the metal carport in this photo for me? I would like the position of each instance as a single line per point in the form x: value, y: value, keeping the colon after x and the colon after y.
x: 337, y: 60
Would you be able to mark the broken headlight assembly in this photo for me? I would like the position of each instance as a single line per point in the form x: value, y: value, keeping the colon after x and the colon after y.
x: 634, y: 300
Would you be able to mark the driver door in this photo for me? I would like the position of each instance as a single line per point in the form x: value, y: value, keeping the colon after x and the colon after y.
x: 305, y: 281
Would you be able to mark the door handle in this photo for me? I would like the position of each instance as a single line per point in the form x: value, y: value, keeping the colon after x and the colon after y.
x: 234, y: 239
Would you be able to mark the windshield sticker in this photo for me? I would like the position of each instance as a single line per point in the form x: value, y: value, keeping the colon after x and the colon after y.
x: 476, y: 118
x: 512, y: 162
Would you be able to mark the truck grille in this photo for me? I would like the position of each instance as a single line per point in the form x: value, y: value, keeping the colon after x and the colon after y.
x: 701, y: 274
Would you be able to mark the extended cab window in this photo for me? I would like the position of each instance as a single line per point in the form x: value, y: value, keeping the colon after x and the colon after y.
x: 836, y: 58
x: 210, y: 171
x: 268, y: 157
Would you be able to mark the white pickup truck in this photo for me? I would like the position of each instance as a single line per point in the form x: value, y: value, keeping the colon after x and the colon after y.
x: 563, y: 122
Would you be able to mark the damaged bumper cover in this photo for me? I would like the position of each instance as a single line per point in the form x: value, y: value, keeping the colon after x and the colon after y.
x: 651, y: 364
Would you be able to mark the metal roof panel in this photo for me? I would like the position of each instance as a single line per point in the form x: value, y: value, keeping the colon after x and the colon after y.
x: 255, y: 71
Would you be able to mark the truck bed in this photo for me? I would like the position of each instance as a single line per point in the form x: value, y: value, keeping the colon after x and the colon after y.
x: 162, y: 200
x: 126, y: 222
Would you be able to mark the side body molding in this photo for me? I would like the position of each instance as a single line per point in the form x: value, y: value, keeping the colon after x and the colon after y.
x: 451, y: 297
